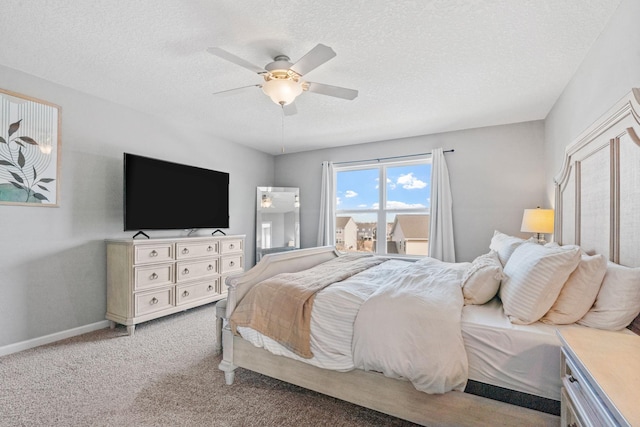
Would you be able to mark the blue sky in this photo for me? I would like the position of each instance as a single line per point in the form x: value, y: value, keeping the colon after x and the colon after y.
x: 407, y: 187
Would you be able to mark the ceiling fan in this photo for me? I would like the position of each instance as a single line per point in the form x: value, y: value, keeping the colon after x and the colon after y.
x: 283, y: 80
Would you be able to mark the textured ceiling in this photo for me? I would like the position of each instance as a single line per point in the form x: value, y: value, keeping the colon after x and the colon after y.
x: 421, y: 67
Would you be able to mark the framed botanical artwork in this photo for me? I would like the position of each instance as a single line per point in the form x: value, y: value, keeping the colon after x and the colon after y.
x: 29, y: 151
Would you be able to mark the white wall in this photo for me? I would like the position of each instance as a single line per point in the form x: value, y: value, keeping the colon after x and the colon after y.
x: 496, y: 172
x: 609, y: 71
x: 52, y: 260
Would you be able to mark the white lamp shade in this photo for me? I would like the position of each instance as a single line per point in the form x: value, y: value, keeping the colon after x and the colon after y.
x: 282, y: 91
x: 537, y: 221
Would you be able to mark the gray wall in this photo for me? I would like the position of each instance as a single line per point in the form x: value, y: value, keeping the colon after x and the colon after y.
x: 496, y: 172
x: 609, y: 71
x: 52, y: 265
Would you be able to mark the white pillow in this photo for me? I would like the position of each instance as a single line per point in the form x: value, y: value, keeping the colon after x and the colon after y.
x: 618, y: 301
x: 504, y: 245
x: 579, y: 292
x: 533, y: 279
x: 481, y: 281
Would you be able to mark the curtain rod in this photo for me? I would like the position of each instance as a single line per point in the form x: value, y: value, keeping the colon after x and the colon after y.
x: 390, y: 158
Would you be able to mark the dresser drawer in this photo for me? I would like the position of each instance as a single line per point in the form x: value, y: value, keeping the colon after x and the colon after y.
x: 192, y: 270
x: 144, y: 254
x: 189, y: 250
x: 150, y: 302
x: 569, y: 416
x: 196, y: 291
x: 231, y: 246
x: 153, y: 275
x: 587, y: 407
x: 231, y: 263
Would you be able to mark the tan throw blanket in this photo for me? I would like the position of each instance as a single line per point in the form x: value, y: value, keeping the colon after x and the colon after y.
x: 280, y: 307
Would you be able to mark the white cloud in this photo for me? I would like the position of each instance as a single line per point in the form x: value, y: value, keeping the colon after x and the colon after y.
x: 410, y: 182
x: 391, y: 184
x: 391, y: 204
x: 362, y: 206
x: 338, y: 201
x: 350, y: 193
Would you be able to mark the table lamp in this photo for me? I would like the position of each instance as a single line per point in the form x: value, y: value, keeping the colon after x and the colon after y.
x: 538, y: 221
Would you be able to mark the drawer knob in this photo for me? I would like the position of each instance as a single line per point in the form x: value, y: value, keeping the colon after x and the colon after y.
x: 185, y: 294
x: 153, y: 301
x: 231, y: 246
x: 154, y: 276
x: 210, y: 288
x: 185, y: 271
x: 210, y: 248
x: 185, y: 251
x: 210, y: 267
x: 153, y: 253
x: 232, y: 263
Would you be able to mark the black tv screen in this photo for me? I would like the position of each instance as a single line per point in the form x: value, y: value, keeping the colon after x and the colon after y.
x: 161, y: 195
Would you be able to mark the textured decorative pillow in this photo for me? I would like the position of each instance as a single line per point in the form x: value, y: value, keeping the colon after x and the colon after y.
x: 618, y: 301
x: 534, y: 276
x: 579, y: 292
x: 504, y: 245
x: 481, y: 281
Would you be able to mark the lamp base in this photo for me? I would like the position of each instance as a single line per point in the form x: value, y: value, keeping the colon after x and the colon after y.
x: 539, y: 238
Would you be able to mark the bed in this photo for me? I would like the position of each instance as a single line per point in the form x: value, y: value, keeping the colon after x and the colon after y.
x: 511, y: 350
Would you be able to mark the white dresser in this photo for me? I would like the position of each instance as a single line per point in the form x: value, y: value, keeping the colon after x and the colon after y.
x: 151, y: 278
x: 600, y: 378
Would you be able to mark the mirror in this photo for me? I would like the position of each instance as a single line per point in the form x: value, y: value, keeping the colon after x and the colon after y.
x: 277, y: 220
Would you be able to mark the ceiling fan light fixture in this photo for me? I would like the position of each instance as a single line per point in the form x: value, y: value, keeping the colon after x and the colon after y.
x: 283, y: 79
x: 266, y: 201
x: 282, y: 91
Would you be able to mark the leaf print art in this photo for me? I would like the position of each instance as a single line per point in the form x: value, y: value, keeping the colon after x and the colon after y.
x: 29, y: 151
x: 24, y: 179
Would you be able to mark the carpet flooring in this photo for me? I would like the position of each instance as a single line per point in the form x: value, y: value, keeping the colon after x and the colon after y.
x: 166, y: 375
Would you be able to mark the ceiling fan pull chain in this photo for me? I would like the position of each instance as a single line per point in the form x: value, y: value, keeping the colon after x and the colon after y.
x: 282, y: 121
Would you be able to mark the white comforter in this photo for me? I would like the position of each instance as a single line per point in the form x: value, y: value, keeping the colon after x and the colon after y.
x: 393, y: 304
x: 411, y: 328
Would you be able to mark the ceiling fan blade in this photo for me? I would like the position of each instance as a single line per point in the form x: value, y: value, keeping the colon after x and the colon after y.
x: 290, y: 109
x: 221, y: 53
x: 313, y: 59
x: 338, y: 92
x: 234, y: 89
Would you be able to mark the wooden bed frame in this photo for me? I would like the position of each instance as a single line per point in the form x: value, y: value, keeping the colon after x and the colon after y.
x: 368, y: 389
x: 598, y: 189
x: 581, y: 218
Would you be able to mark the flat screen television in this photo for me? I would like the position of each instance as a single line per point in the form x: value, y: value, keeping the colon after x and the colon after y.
x: 162, y: 195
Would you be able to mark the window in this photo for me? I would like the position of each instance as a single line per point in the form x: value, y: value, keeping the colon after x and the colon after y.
x: 385, y: 219
x: 266, y: 234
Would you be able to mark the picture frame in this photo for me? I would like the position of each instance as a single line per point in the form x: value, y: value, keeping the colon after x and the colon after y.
x: 30, y: 151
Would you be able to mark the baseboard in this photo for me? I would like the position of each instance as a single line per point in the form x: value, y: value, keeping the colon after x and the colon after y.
x: 48, y: 339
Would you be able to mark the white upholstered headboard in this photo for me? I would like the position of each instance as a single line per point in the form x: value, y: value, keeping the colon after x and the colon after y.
x: 598, y: 190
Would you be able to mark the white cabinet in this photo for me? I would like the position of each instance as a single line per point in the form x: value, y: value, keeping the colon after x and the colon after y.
x: 147, y: 279
x: 600, y: 374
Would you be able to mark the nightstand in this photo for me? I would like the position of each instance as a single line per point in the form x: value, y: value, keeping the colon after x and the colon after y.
x: 600, y: 378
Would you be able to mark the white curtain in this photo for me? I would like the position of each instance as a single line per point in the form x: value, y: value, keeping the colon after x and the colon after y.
x: 441, y: 218
x: 326, y: 226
